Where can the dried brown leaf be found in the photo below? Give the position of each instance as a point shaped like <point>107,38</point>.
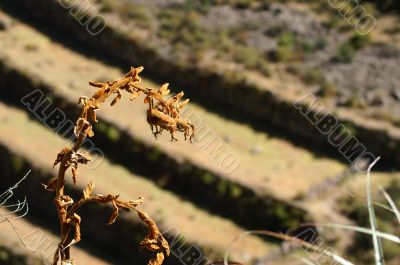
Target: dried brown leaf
<point>182,104</point>
<point>117,98</point>
<point>88,191</point>
<point>104,199</point>
<point>60,155</point>
<point>175,98</point>
<point>64,201</point>
<point>136,202</point>
<point>82,158</point>
<point>97,84</point>
<point>154,240</point>
<point>134,73</point>
<point>164,89</point>
<point>79,126</point>
<point>51,185</point>
<point>114,215</point>
<point>75,220</point>
<point>157,260</point>
<point>82,100</point>
<point>75,160</point>
<point>90,132</point>
<point>134,95</point>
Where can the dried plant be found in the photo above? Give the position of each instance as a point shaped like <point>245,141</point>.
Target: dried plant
<point>163,114</point>
<point>14,210</point>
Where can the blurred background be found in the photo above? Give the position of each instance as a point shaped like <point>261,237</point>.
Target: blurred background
<point>258,162</point>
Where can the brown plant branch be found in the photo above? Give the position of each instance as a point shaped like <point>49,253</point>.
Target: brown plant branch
<point>161,115</point>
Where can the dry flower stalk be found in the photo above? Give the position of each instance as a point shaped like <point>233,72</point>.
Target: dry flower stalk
<point>163,114</point>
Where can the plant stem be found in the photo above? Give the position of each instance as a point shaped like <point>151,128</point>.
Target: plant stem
<point>61,211</point>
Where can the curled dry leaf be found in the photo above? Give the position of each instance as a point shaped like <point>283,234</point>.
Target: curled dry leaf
<point>164,89</point>
<point>84,128</point>
<point>97,84</point>
<point>64,201</point>
<point>75,160</point>
<point>117,98</point>
<point>88,190</point>
<point>157,260</point>
<point>75,221</point>
<point>134,73</point>
<point>117,204</point>
<point>114,215</point>
<point>136,203</point>
<point>165,114</point>
<point>154,240</point>
<point>61,155</point>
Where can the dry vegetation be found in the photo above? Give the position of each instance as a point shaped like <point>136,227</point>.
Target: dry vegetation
<point>264,41</point>
<point>185,28</point>
<point>163,115</point>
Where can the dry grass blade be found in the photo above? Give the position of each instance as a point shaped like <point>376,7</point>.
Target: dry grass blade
<point>222,263</point>
<point>284,237</point>
<point>306,261</point>
<point>378,204</point>
<point>393,206</point>
<point>378,250</point>
<point>367,231</point>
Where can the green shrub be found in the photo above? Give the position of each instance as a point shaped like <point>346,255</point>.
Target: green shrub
<point>359,41</point>
<point>312,46</point>
<point>275,30</point>
<point>264,69</point>
<point>222,186</point>
<point>347,50</point>
<point>235,190</point>
<point>243,4</point>
<point>113,134</point>
<point>137,13</point>
<point>208,178</point>
<point>345,53</point>
<point>333,21</point>
<point>313,76</point>
<point>281,54</point>
<point>252,25</point>
<point>108,6</point>
<point>289,49</point>
<point>293,69</point>
<point>202,6</point>
<point>328,89</point>
<point>247,56</point>
<point>287,39</point>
